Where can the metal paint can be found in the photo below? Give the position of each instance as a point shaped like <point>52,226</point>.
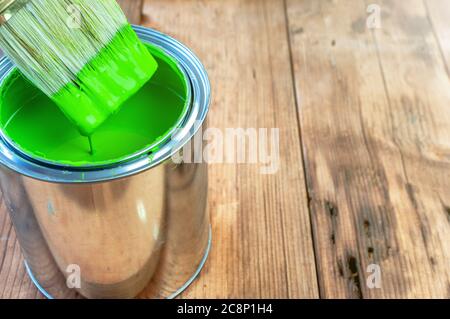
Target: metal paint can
<point>138,228</point>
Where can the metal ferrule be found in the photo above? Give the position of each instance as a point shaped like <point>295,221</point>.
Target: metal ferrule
<point>10,7</point>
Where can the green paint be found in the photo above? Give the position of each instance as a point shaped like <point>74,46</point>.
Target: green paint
<point>37,126</point>
<point>117,72</point>
<point>91,146</point>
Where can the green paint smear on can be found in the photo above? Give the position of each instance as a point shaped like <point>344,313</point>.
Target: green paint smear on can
<point>36,126</point>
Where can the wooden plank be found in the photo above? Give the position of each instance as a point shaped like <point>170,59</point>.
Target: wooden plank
<point>439,14</point>
<point>375,127</point>
<point>14,281</point>
<point>419,92</point>
<point>261,230</point>
<point>132,9</point>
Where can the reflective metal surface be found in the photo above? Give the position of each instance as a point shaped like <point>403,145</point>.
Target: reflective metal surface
<point>138,228</point>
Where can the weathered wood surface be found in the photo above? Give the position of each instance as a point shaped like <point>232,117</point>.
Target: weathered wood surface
<point>365,147</point>
<point>375,121</point>
<point>133,9</point>
<point>262,243</point>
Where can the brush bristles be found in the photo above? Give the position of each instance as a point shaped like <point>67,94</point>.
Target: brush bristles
<point>48,48</point>
<point>88,69</point>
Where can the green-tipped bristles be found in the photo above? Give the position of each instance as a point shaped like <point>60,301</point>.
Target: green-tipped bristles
<point>119,70</point>
<point>81,53</point>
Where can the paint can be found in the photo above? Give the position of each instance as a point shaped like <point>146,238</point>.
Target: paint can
<point>136,228</point>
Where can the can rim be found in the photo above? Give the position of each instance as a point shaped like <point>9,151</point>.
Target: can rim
<point>145,159</point>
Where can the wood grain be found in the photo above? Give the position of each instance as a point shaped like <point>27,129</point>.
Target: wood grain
<point>375,127</point>
<point>14,281</point>
<point>438,14</point>
<point>261,230</point>
<point>132,9</point>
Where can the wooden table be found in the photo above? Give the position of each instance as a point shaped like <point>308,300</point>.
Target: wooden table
<point>363,108</point>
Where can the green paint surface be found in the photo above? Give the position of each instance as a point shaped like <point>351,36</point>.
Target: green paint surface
<point>35,124</point>
<point>117,72</point>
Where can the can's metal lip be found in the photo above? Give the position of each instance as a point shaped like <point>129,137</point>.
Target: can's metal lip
<point>201,95</point>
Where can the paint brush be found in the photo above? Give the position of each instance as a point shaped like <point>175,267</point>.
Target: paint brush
<point>83,54</point>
